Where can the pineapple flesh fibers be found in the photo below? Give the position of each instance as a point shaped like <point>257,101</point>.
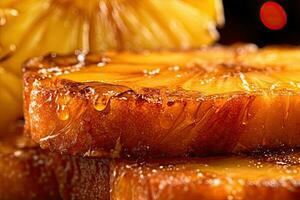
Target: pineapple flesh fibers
<point>35,27</point>
<point>170,103</point>
<point>10,99</point>
<point>10,96</point>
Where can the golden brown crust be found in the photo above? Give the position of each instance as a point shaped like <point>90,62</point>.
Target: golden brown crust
<point>172,119</point>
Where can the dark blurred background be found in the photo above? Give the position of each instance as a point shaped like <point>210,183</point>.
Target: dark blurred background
<point>262,22</point>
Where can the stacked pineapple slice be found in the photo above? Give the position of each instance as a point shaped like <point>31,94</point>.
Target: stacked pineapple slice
<point>35,27</point>
<point>199,102</point>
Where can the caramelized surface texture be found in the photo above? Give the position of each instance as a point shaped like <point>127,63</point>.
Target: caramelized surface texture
<point>209,101</point>
<point>28,172</point>
<point>246,178</point>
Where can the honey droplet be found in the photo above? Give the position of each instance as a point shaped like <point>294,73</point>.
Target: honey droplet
<point>63,113</point>
<point>101,102</point>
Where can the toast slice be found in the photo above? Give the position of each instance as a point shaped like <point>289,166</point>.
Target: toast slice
<point>200,102</point>
<point>28,172</point>
<point>268,176</point>
<point>24,170</point>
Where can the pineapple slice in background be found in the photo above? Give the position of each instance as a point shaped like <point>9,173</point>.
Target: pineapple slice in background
<point>10,96</point>
<point>35,27</point>
<point>213,8</point>
<point>10,99</point>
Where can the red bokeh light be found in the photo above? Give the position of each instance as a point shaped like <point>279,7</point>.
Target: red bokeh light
<point>273,15</point>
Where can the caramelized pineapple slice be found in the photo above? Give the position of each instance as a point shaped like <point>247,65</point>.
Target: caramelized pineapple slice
<point>209,101</point>
<point>234,177</point>
<point>35,27</point>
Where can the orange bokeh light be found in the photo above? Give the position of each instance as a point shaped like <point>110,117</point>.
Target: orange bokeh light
<point>273,15</point>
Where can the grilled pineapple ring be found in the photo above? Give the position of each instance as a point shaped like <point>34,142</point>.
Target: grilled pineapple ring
<point>209,101</point>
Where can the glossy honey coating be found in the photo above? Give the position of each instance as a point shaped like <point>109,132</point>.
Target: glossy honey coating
<point>206,101</point>
<point>272,176</point>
